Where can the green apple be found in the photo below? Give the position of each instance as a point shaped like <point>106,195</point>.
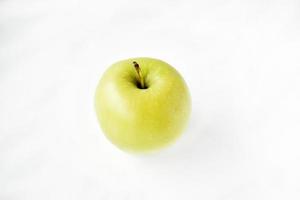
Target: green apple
<point>142,104</point>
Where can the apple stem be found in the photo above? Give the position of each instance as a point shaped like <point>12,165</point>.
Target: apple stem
<point>140,75</point>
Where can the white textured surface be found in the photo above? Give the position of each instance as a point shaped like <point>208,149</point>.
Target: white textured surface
<point>240,60</point>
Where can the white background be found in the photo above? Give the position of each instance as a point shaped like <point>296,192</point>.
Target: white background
<point>240,60</point>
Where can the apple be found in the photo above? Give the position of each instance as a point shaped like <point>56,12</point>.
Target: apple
<point>142,104</point>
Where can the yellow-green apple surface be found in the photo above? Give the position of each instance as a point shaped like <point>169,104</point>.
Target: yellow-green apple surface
<point>142,104</point>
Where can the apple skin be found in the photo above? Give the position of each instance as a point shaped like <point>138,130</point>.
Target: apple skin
<point>142,120</point>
